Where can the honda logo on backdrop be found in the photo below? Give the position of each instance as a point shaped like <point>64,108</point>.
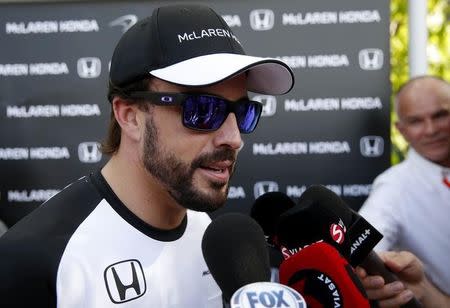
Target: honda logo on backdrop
<point>89,67</point>
<point>371,59</point>
<point>125,281</point>
<point>372,146</point>
<point>89,152</point>
<point>269,103</point>
<point>260,188</point>
<point>262,19</point>
<point>125,21</point>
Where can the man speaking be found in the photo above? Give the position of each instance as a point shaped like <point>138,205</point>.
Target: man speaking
<point>131,232</point>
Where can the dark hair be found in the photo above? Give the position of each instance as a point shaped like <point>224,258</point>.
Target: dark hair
<point>111,144</point>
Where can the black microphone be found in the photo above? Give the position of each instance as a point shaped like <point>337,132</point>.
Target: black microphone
<point>235,251</point>
<point>322,208</point>
<point>265,210</point>
<point>307,223</point>
<point>363,237</point>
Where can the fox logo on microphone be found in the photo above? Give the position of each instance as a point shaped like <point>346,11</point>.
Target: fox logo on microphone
<point>266,295</point>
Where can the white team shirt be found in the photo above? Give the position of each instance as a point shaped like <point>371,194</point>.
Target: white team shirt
<point>84,248</point>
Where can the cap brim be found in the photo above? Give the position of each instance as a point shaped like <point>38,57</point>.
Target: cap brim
<point>265,75</point>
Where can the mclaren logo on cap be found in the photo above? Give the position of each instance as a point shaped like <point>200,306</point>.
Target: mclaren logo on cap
<point>125,21</point>
<point>262,19</point>
<point>125,281</point>
<point>206,33</point>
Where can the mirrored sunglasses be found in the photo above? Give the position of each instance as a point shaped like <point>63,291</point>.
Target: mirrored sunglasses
<point>206,112</point>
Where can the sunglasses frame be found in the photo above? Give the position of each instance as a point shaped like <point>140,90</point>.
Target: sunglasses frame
<point>174,99</point>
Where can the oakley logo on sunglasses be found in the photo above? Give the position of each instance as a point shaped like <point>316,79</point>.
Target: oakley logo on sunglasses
<point>166,99</point>
<point>269,103</point>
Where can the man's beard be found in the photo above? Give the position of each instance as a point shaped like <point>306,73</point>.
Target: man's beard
<point>177,176</point>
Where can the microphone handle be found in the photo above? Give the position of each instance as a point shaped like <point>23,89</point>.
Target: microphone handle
<point>375,266</point>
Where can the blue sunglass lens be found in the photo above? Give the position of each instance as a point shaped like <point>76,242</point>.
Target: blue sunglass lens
<point>204,112</point>
<point>247,115</point>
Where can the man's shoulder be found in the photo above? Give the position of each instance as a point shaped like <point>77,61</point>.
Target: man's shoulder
<point>387,188</point>
<point>394,174</point>
<point>57,217</point>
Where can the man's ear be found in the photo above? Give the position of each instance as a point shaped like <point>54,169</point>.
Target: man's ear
<point>126,115</point>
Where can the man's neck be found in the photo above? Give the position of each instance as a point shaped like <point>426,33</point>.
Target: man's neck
<point>141,193</point>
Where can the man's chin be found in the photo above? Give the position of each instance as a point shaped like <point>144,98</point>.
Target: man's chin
<point>438,156</point>
<point>203,200</point>
<point>205,206</point>
<point>216,198</point>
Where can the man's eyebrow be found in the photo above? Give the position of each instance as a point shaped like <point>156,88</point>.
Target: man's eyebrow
<point>440,112</point>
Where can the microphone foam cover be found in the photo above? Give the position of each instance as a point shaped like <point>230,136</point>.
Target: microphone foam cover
<point>309,222</point>
<point>268,207</point>
<point>235,251</point>
<point>329,201</point>
<point>362,236</point>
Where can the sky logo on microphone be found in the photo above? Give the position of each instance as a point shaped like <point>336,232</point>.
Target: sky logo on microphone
<point>337,232</point>
<point>266,295</point>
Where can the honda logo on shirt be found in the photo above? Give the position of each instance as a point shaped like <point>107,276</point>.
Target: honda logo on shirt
<point>89,152</point>
<point>372,146</point>
<point>260,188</point>
<point>371,59</point>
<point>125,281</point>
<point>125,21</point>
<point>89,67</point>
<point>269,103</point>
<point>262,20</point>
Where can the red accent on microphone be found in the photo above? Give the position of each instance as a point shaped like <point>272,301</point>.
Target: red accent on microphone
<point>323,277</point>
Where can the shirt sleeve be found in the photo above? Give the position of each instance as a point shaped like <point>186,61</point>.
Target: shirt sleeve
<point>24,282</point>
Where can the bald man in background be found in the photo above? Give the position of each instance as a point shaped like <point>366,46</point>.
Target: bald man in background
<point>410,202</point>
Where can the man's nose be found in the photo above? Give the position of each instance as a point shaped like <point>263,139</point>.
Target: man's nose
<point>430,126</point>
<point>228,134</point>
